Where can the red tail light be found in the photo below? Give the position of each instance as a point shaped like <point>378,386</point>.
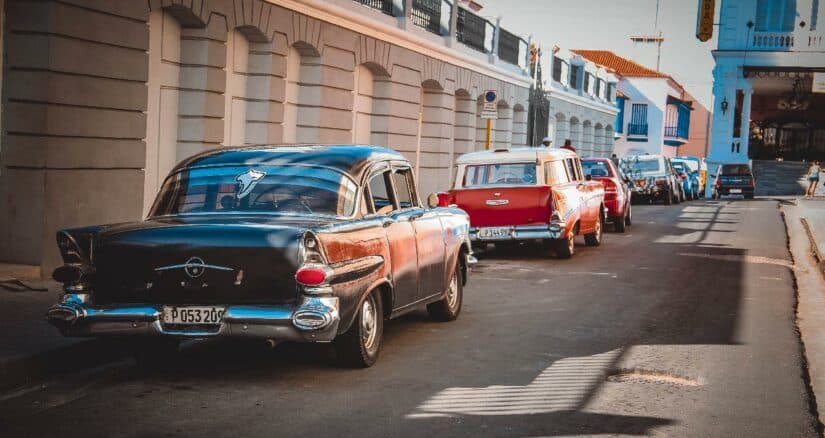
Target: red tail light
<point>753,182</point>
<point>661,182</point>
<point>312,275</point>
<point>684,176</point>
<point>609,189</point>
<point>445,199</point>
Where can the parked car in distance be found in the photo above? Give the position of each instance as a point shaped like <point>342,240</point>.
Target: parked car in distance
<point>653,178</point>
<point>690,180</point>
<point>616,192</point>
<point>733,179</point>
<point>697,165</point>
<point>310,244</point>
<point>528,194</point>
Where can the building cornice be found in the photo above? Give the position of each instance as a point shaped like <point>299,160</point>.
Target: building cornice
<point>581,101</point>
<point>361,23</point>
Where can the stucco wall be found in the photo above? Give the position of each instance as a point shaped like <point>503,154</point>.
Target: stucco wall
<point>102,97</point>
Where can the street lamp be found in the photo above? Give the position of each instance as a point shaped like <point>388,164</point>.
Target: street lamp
<point>724,105</point>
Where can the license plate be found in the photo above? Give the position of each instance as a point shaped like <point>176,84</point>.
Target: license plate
<point>193,315</point>
<point>494,233</point>
<point>736,190</point>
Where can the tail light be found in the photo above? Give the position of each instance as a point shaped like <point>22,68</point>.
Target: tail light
<point>718,182</point>
<point>661,182</point>
<point>312,275</point>
<point>445,199</point>
<point>609,189</point>
<point>753,182</point>
<point>683,176</point>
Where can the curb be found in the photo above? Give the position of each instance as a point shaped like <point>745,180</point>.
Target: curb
<point>814,246</point>
<point>20,371</point>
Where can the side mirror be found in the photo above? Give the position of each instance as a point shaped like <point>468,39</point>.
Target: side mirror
<point>432,200</point>
<point>588,177</point>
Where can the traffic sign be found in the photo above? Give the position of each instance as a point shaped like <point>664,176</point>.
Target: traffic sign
<point>704,19</point>
<point>490,108</point>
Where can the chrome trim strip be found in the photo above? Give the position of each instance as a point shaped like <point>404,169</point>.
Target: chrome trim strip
<point>193,265</point>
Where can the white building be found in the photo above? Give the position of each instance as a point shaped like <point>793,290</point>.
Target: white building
<point>654,110</point>
<point>582,104</point>
<point>770,52</point>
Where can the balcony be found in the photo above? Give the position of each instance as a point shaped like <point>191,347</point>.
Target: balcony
<point>638,130</point>
<point>787,41</point>
<point>677,121</point>
<point>471,30</point>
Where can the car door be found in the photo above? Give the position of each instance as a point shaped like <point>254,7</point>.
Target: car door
<point>567,197</point>
<point>429,235</point>
<point>382,203</point>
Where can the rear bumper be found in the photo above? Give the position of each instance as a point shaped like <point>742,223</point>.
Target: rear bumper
<point>742,190</point>
<point>553,230</point>
<point>315,319</point>
<point>652,191</point>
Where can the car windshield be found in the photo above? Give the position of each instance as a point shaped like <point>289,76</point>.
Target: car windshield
<point>690,164</point>
<point>596,168</point>
<point>736,169</point>
<point>264,189</point>
<point>642,165</point>
<point>680,167</point>
<point>522,174</point>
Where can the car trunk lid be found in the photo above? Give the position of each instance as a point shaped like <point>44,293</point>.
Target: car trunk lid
<point>502,206</point>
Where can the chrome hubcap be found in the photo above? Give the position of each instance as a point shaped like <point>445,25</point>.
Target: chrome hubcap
<point>452,293</point>
<point>369,326</point>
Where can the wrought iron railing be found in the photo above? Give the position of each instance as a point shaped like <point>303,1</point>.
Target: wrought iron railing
<point>428,15</point>
<point>385,6</point>
<point>508,47</point>
<point>637,129</point>
<point>471,30</point>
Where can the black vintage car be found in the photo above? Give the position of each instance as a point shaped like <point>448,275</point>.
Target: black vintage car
<point>299,243</point>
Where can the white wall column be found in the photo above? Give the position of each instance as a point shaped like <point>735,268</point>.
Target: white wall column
<point>745,126</point>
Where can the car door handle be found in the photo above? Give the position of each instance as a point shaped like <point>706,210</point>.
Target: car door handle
<point>387,222</point>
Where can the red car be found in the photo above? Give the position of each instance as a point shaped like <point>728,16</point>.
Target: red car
<point>528,194</point>
<point>616,191</point>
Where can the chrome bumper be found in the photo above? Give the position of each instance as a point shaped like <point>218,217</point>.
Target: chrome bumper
<point>315,319</point>
<point>554,230</point>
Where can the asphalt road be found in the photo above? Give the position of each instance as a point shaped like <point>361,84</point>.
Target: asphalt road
<point>683,326</point>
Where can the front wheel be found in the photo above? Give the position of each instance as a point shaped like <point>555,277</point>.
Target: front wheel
<point>360,345</point>
<point>448,308</point>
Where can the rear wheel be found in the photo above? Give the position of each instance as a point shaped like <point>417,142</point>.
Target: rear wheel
<point>595,238</point>
<point>628,220</point>
<point>620,223</point>
<point>360,345</point>
<point>448,308</point>
<point>565,248</point>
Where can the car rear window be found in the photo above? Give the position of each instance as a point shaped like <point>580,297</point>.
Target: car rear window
<point>642,165</point>
<point>596,168</point>
<point>303,190</point>
<point>736,169</point>
<point>521,174</point>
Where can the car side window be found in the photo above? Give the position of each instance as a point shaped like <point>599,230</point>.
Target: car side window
<point>555,172</point>
<point>402,181</point>
<point>571,169</point>
<point>579,170</point>
<point>380,194</point>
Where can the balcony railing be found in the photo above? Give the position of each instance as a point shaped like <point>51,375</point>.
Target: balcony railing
<point>787,41</point>
<point>474,31</point>
<point>471,30</point>
<point>433,15</point>
<point>385,6</point>
<point>637,129</point>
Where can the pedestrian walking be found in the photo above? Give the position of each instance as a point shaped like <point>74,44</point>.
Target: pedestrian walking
<point>546,142</point>
<point>568,145</point>
<point>615,160</point>
<point>813,178</point>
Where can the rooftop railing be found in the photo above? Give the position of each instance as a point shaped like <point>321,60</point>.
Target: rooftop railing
<point>470,30</point>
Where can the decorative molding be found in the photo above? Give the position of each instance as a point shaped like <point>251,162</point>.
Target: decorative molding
<point>306,30</point>
<point>371,50</point>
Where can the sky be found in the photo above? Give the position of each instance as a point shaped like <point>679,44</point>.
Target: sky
<point>608,25</point>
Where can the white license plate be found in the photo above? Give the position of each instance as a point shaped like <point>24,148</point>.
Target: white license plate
<point>494,233</point>
<point>193,314</point>
<point>736,190</point>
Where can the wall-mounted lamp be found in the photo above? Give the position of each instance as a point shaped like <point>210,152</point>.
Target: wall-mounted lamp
<point>724,106</point>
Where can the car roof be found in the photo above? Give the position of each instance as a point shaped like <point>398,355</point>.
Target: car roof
<point>349,159</point>
<point>514,154</point>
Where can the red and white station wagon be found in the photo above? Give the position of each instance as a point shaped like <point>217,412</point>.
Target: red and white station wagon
<point>528,194</point>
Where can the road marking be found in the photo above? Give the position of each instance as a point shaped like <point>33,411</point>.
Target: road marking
<point>741,258</point>
<point>561,387</point>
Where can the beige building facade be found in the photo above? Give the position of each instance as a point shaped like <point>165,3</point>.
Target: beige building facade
<point>101,98</point>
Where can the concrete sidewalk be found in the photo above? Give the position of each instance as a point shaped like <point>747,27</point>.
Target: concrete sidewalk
<point>30,348</point>
<point>805,221</point>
